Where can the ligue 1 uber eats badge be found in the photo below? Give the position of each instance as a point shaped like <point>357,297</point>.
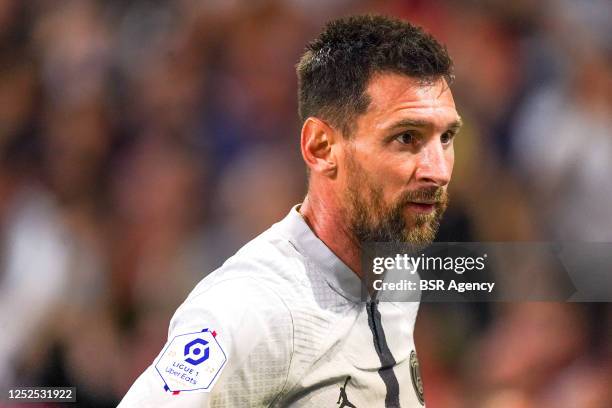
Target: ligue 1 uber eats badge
<point>415,373</point>
<point>191,362</point>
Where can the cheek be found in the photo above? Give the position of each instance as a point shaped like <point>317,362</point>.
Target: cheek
<point>450,159</point>
<point>399,171</point>
<point>394,177</point>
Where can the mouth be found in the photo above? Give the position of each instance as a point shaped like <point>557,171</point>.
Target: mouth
<point>423,207</point>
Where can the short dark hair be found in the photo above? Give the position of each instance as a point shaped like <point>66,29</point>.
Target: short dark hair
<point>334,71</point>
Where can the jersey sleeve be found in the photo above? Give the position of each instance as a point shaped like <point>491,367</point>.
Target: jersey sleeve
<point>228,345</point>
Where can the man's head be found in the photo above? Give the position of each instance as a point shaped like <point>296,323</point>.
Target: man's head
<point>379,121</point>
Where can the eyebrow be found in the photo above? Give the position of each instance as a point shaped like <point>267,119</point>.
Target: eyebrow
<point>405,123</point>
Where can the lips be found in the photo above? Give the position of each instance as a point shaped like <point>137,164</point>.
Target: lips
<point>422,207</point>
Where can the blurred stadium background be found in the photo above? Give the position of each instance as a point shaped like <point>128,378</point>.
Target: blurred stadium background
<point>142,142</point>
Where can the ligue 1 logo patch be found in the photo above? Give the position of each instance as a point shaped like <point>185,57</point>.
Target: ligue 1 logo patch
<point>191,362</point>
<point>415,373</point>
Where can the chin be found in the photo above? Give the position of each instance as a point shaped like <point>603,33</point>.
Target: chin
<point>421,235</point>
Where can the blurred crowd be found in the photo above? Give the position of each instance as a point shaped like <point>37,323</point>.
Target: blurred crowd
<point>142,142</point>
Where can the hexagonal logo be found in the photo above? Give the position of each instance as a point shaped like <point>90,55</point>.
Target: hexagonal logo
<point>191,362</point>
<point>194,348</point>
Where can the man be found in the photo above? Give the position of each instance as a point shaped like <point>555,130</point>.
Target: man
<point>282,323</point>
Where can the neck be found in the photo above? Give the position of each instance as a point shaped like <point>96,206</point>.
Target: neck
<point>329,223</point>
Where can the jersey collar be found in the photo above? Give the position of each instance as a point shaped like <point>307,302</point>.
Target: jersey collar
<point>337,274</point>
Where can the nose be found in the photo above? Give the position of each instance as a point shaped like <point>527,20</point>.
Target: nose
<point>434,164</point>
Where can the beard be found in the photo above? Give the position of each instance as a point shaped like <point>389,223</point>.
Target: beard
<point>371,219</point>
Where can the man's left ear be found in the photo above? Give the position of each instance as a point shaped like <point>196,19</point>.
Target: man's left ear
<point>318,145</point>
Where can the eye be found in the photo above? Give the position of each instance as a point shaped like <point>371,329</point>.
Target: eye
<point>406,138</point>
<point>446,137</point>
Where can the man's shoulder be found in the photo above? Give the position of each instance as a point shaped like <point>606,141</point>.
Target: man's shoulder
<point>268,261</point>
<point>245,296</point>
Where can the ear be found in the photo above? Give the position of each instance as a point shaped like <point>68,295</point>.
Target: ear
<point>319,143</point>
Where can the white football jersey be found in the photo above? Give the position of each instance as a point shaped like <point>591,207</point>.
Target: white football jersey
<point>282,324</point>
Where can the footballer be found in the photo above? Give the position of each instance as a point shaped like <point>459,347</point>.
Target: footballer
<point>283,323</point>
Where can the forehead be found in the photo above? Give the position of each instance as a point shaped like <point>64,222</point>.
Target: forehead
<point>394,97</point>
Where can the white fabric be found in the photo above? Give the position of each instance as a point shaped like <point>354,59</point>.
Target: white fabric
<point>288,314</point>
